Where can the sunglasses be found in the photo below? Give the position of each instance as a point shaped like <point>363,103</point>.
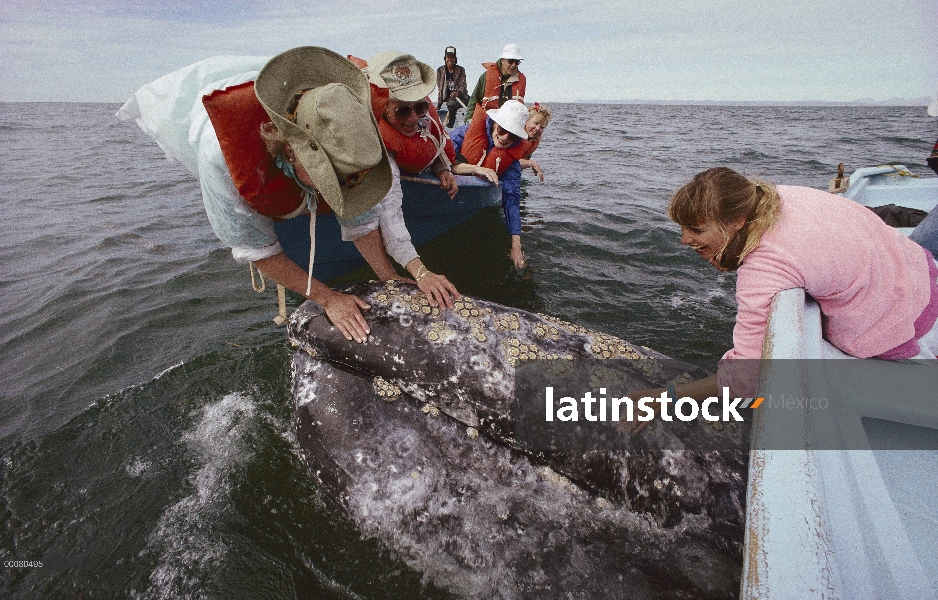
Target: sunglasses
<point>421,108</point>
<point>513,61</point>
<point>502,131</point>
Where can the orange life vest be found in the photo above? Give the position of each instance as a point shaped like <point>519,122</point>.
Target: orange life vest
<point>416,153</point>
<point>493,85</point>
<point>475,147</point>
<point>412,154</point>
<point>236,116</point>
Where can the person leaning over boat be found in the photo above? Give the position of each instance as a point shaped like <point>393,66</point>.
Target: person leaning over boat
<point>327,146</point>
<point>497,140</point>
<point>451,83</point>
<point>538,118</point>
<point>502,81</point>
<point>877,290</point>
<point>410,127</point>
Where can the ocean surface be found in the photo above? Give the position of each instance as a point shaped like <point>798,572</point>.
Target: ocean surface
<point>147,446</point>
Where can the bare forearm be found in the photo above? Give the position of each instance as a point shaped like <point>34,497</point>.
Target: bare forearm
<point>467,169</point>
<point>698,390</point>
<point>289,274</point>
<point>371,247</point>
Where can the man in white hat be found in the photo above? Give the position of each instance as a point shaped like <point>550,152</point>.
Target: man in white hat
<point>502,81</point>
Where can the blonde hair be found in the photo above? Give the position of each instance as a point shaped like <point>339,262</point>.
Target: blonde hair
<point>273,139</point>
<point>723,196</point>
<point>541,111</point>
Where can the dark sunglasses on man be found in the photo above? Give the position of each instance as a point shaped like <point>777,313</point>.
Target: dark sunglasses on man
<point>403,111</point>
<point>513,61</point>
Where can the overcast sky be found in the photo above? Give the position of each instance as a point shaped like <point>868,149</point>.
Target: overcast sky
<point>750,50</point>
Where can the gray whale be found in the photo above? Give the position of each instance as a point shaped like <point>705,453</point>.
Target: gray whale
<point>412,436</point>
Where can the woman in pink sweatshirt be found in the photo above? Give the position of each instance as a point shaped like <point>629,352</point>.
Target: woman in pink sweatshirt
<point>876,289</point>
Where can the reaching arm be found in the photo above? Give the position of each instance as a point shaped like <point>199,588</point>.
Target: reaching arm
<point>511,198</point>
<point>699,390</point>
<point>527,163</point>
<point>467,169</point>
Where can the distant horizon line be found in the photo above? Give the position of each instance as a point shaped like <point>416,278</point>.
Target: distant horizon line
<point>922,102</point>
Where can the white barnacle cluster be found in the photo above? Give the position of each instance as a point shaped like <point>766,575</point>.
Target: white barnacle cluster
<point>386,390</point>
<point>568,327</point>
<point>420,304</point>
<point>601,376</point>
<point>475,316</point>
<point>509,322</point>
<point>516,351</point>
<point>559,369</point>
<point>389,294</point>
<point>543,330</point>
<point>682,378</point>
<point>555,478</point>
<point>440,332</point>
<point>607,346</point>
<point>429,409</point>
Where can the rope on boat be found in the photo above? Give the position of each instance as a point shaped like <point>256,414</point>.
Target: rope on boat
<point>257,287</point>
<point>259,284</point>
<point>281,317</point>
<point>899,172</point>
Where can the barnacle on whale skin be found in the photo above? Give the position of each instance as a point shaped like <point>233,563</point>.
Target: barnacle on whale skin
<point>386,390</point>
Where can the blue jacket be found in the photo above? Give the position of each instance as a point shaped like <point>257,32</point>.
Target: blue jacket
<point>510,179</point>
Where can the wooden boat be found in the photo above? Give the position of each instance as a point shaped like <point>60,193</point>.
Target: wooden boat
<point>428,212</point>
<point>835,523</point>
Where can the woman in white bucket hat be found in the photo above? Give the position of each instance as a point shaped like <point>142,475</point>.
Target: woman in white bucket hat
<point>497,141</point>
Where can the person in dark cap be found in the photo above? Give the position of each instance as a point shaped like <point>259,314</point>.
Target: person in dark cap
<point>451,83</point>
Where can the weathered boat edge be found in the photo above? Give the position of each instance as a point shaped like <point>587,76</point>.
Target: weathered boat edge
<point>428,213</point>
<point>810,530</point>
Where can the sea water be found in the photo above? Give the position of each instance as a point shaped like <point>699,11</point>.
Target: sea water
<point>147,447</point>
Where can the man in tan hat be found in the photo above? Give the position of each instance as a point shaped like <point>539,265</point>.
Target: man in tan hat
<point>320,104</point>
<point>502,81</point>
<point>325,145</point>
<point>412,132</point>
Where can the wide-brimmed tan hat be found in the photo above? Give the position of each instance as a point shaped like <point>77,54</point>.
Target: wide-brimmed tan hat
<point>406,78</point>
<point>335,135</point>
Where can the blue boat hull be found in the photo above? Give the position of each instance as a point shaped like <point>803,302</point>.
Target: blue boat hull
<point>428,212</point>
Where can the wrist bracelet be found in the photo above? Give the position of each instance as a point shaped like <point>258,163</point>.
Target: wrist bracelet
<point>671,392</point>
<point>418,275</point>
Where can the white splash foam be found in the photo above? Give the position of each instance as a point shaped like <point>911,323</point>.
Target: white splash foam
<point>167,370</point>
<point>138,467</point>
<point>186,538</point>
